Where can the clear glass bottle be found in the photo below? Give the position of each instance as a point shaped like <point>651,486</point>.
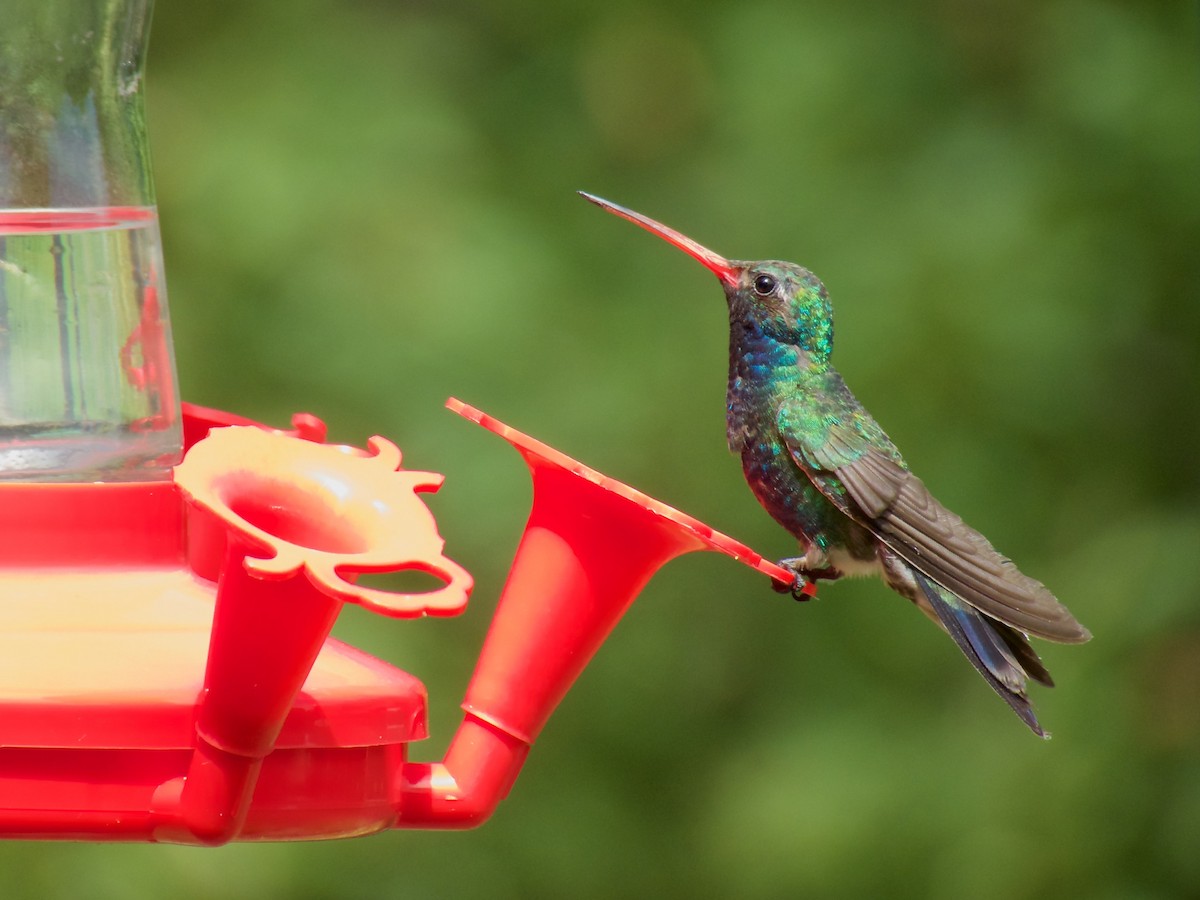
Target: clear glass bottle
<point>87,367</point>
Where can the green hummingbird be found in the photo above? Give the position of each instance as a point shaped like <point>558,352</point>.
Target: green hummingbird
<point>823,468</point>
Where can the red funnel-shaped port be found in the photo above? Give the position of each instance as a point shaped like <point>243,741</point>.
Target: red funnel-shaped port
<point>589,548</point>
<point>591,545</point>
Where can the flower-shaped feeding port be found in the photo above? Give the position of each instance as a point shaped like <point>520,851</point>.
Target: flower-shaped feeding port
<point>327,511</point>
<point>284,525</point>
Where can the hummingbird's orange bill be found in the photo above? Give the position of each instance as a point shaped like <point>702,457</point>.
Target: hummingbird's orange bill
<point>714,262</point>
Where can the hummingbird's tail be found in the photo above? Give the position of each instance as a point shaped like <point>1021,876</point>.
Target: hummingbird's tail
<point>1001,654</point>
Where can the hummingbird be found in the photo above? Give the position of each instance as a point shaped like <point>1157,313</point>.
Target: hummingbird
<point>825,470</point>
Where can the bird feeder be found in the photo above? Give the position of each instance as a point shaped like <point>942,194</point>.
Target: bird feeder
<point>170,574</point>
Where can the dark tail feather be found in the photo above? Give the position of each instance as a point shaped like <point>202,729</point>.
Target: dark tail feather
<point>1025,657</point>
<point>1000,654</point>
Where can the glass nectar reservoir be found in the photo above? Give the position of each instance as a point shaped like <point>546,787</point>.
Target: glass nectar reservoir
<point>87,372</point>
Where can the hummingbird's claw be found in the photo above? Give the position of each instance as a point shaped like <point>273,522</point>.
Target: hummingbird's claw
<point>804,589</point>
<point>803,585</point>
<point>799,587</point>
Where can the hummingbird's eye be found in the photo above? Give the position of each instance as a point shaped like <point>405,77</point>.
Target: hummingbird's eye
<point>764,285</point>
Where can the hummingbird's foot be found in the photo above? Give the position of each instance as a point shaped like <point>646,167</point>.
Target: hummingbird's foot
<point>804,585</point>
<point>800,588</point>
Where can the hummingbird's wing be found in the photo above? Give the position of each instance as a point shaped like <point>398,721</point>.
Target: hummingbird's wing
<point>854,464</point>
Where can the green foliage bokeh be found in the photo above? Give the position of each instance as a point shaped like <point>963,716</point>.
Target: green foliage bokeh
<point>368,207</point>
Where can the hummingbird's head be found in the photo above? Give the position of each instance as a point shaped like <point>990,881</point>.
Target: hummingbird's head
<point>785,303</point>
<point>779,301</point>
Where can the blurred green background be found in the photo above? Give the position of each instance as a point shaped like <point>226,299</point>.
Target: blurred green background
<point>368,207</point>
